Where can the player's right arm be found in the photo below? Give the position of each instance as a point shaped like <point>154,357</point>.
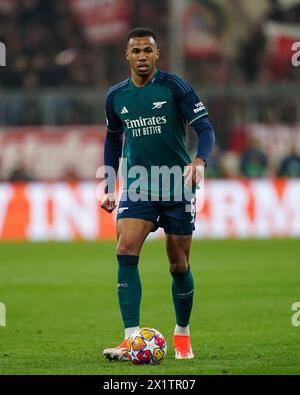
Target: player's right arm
<point>112,153</point>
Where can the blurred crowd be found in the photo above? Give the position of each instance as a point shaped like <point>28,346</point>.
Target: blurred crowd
<point>253,162</point>
<point>47,49</point>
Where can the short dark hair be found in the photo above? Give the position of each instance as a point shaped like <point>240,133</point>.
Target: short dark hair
<point>141,32</point>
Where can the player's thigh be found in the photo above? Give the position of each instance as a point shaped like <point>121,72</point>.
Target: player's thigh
<point>177,218</point>
<point>131,234</point>
<point>178,251</point>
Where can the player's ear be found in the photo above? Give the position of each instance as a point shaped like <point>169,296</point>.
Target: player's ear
<point>127,54</point>
<point>157,53</point>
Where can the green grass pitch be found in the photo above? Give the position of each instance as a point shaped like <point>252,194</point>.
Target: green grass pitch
<point>61,307</point>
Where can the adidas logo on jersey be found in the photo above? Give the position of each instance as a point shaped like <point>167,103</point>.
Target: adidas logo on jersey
<point>124,110</point>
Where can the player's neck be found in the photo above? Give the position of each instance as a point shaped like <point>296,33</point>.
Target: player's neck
<point>141,81</point>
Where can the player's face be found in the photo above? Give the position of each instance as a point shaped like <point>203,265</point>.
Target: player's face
<point>142,54</point>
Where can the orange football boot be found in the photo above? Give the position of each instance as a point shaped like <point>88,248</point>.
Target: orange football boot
<point>182,346</point>
<point>118,353</point>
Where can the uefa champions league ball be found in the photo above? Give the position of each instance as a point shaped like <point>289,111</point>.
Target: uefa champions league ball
<point>146,346</point>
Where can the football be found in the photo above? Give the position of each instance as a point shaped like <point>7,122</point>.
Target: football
<point>146,346</point>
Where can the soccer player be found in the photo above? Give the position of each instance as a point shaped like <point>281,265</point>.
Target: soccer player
<point>151,109</point>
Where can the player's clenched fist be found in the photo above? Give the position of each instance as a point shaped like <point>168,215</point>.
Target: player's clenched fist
<point>109,202</point>
<point>193,173</point>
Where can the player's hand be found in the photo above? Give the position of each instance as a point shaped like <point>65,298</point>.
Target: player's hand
<point>193,173</point>
<point>109,202</point>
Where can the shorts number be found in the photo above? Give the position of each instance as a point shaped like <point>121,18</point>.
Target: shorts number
<point>193,210</point>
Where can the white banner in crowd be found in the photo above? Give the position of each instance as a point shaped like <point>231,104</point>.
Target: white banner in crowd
<point>51,152</point>
<point>104,21</point>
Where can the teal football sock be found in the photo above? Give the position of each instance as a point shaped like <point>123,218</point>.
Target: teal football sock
<point>129,289</point>
<point>183,293</point>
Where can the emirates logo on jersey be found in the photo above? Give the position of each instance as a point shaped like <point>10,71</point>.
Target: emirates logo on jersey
<point>145,126</point>
<point>141,122</point>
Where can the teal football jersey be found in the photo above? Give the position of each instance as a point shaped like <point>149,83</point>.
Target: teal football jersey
<point>153,119</point>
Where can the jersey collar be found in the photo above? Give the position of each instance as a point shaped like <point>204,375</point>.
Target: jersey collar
<point>148,83</point>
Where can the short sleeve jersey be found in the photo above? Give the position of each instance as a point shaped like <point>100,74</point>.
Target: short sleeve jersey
<point>153,119</point>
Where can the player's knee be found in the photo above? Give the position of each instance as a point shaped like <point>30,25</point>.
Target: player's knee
<point>127,247</point>
<point>179,267</point>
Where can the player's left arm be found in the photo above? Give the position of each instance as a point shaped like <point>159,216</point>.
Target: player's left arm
<point>206,140</point>
<point>196,115</point>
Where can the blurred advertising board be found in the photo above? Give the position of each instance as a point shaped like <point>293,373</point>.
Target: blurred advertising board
<point>235,208</point>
